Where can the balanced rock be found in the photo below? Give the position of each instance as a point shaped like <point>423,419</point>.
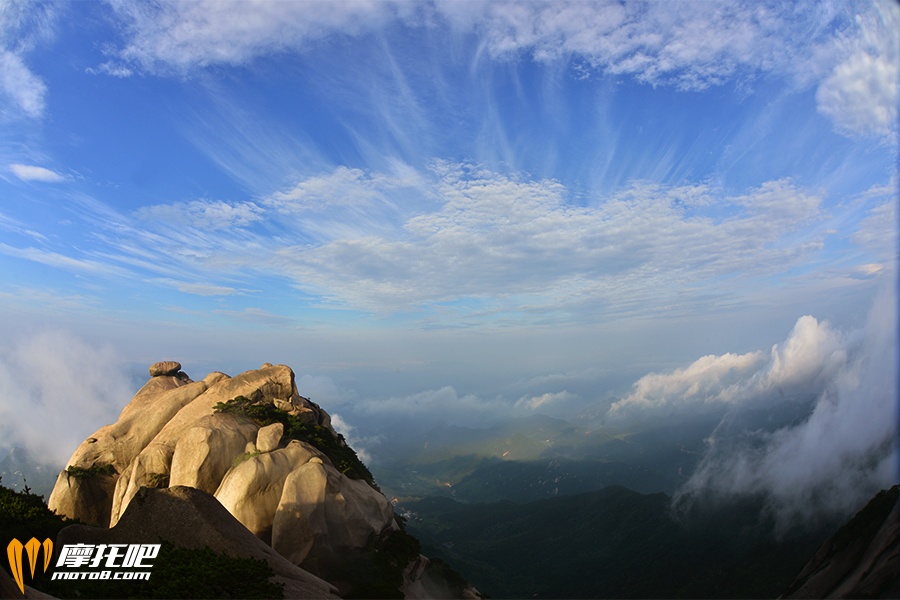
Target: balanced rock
<point>166,367</point>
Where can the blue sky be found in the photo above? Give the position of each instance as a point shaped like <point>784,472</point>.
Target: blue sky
<point>414,203</point>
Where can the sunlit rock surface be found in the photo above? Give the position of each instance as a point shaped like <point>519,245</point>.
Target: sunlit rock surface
<point>176,452</point>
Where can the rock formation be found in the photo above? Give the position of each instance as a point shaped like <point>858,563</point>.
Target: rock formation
<point>165,514</point>
<point>248,446</point>
<point>861,560</point>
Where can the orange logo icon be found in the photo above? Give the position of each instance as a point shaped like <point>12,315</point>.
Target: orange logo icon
<point>32,548</point>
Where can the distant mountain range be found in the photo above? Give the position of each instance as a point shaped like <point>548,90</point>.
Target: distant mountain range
<point>544,507</point>
<point>19,469</point>
<point>539,457</point>
<point>617,543</point>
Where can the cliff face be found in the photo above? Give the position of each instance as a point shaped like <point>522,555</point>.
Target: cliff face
<point>259,449</point>
<point>861,560</point>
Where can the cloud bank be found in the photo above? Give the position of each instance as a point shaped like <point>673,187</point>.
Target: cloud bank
<point>55,390</point>
<point>835,458</point>
<point>810,358</point>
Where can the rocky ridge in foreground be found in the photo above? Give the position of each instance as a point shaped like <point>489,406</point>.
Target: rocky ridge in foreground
<point>861,560</point>
<point>270,457</point>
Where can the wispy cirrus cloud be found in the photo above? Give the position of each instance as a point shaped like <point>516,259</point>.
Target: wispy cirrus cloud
<point>848,51</point>
<point>22,27</point>
<point>198,289</point>
<point>64,261</point>
<point>259,316</point>
<point>22,89</point>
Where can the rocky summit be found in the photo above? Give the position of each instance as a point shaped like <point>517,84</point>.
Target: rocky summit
<point>245,453</point>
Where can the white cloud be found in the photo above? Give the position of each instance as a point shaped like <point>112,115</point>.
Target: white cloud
<point>182,36</point>
<point>347,202</point>
<point>710,380</point>
<point>342,187</point>
<point>467,243</point>
<point>877,232</point>
<point>521,244</point>
<point>812,349</point>
<point>23,27</point>
<point>55,390</point>
<point>839,456</point>
<point>202,214</point>
<point>541,402</point>
<point>848,50</point>
<point>860,93</point>
<point>198,289</point>
<point>805,363</point>
<point>360,444</point>
<point>25,90</point>
<point>685,44</point>
<point>841,451</point>
<point>33,173</point>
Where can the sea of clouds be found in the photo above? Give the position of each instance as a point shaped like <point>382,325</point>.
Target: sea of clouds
<point>838,449</point>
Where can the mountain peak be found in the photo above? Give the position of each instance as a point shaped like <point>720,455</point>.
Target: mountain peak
<point>250,444</point>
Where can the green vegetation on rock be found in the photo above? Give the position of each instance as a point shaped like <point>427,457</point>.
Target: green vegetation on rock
<point>158,480</point>
<point>82,472</point>
<point>377,570</point>
<point>265,413</point>
<point>244,457</point>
